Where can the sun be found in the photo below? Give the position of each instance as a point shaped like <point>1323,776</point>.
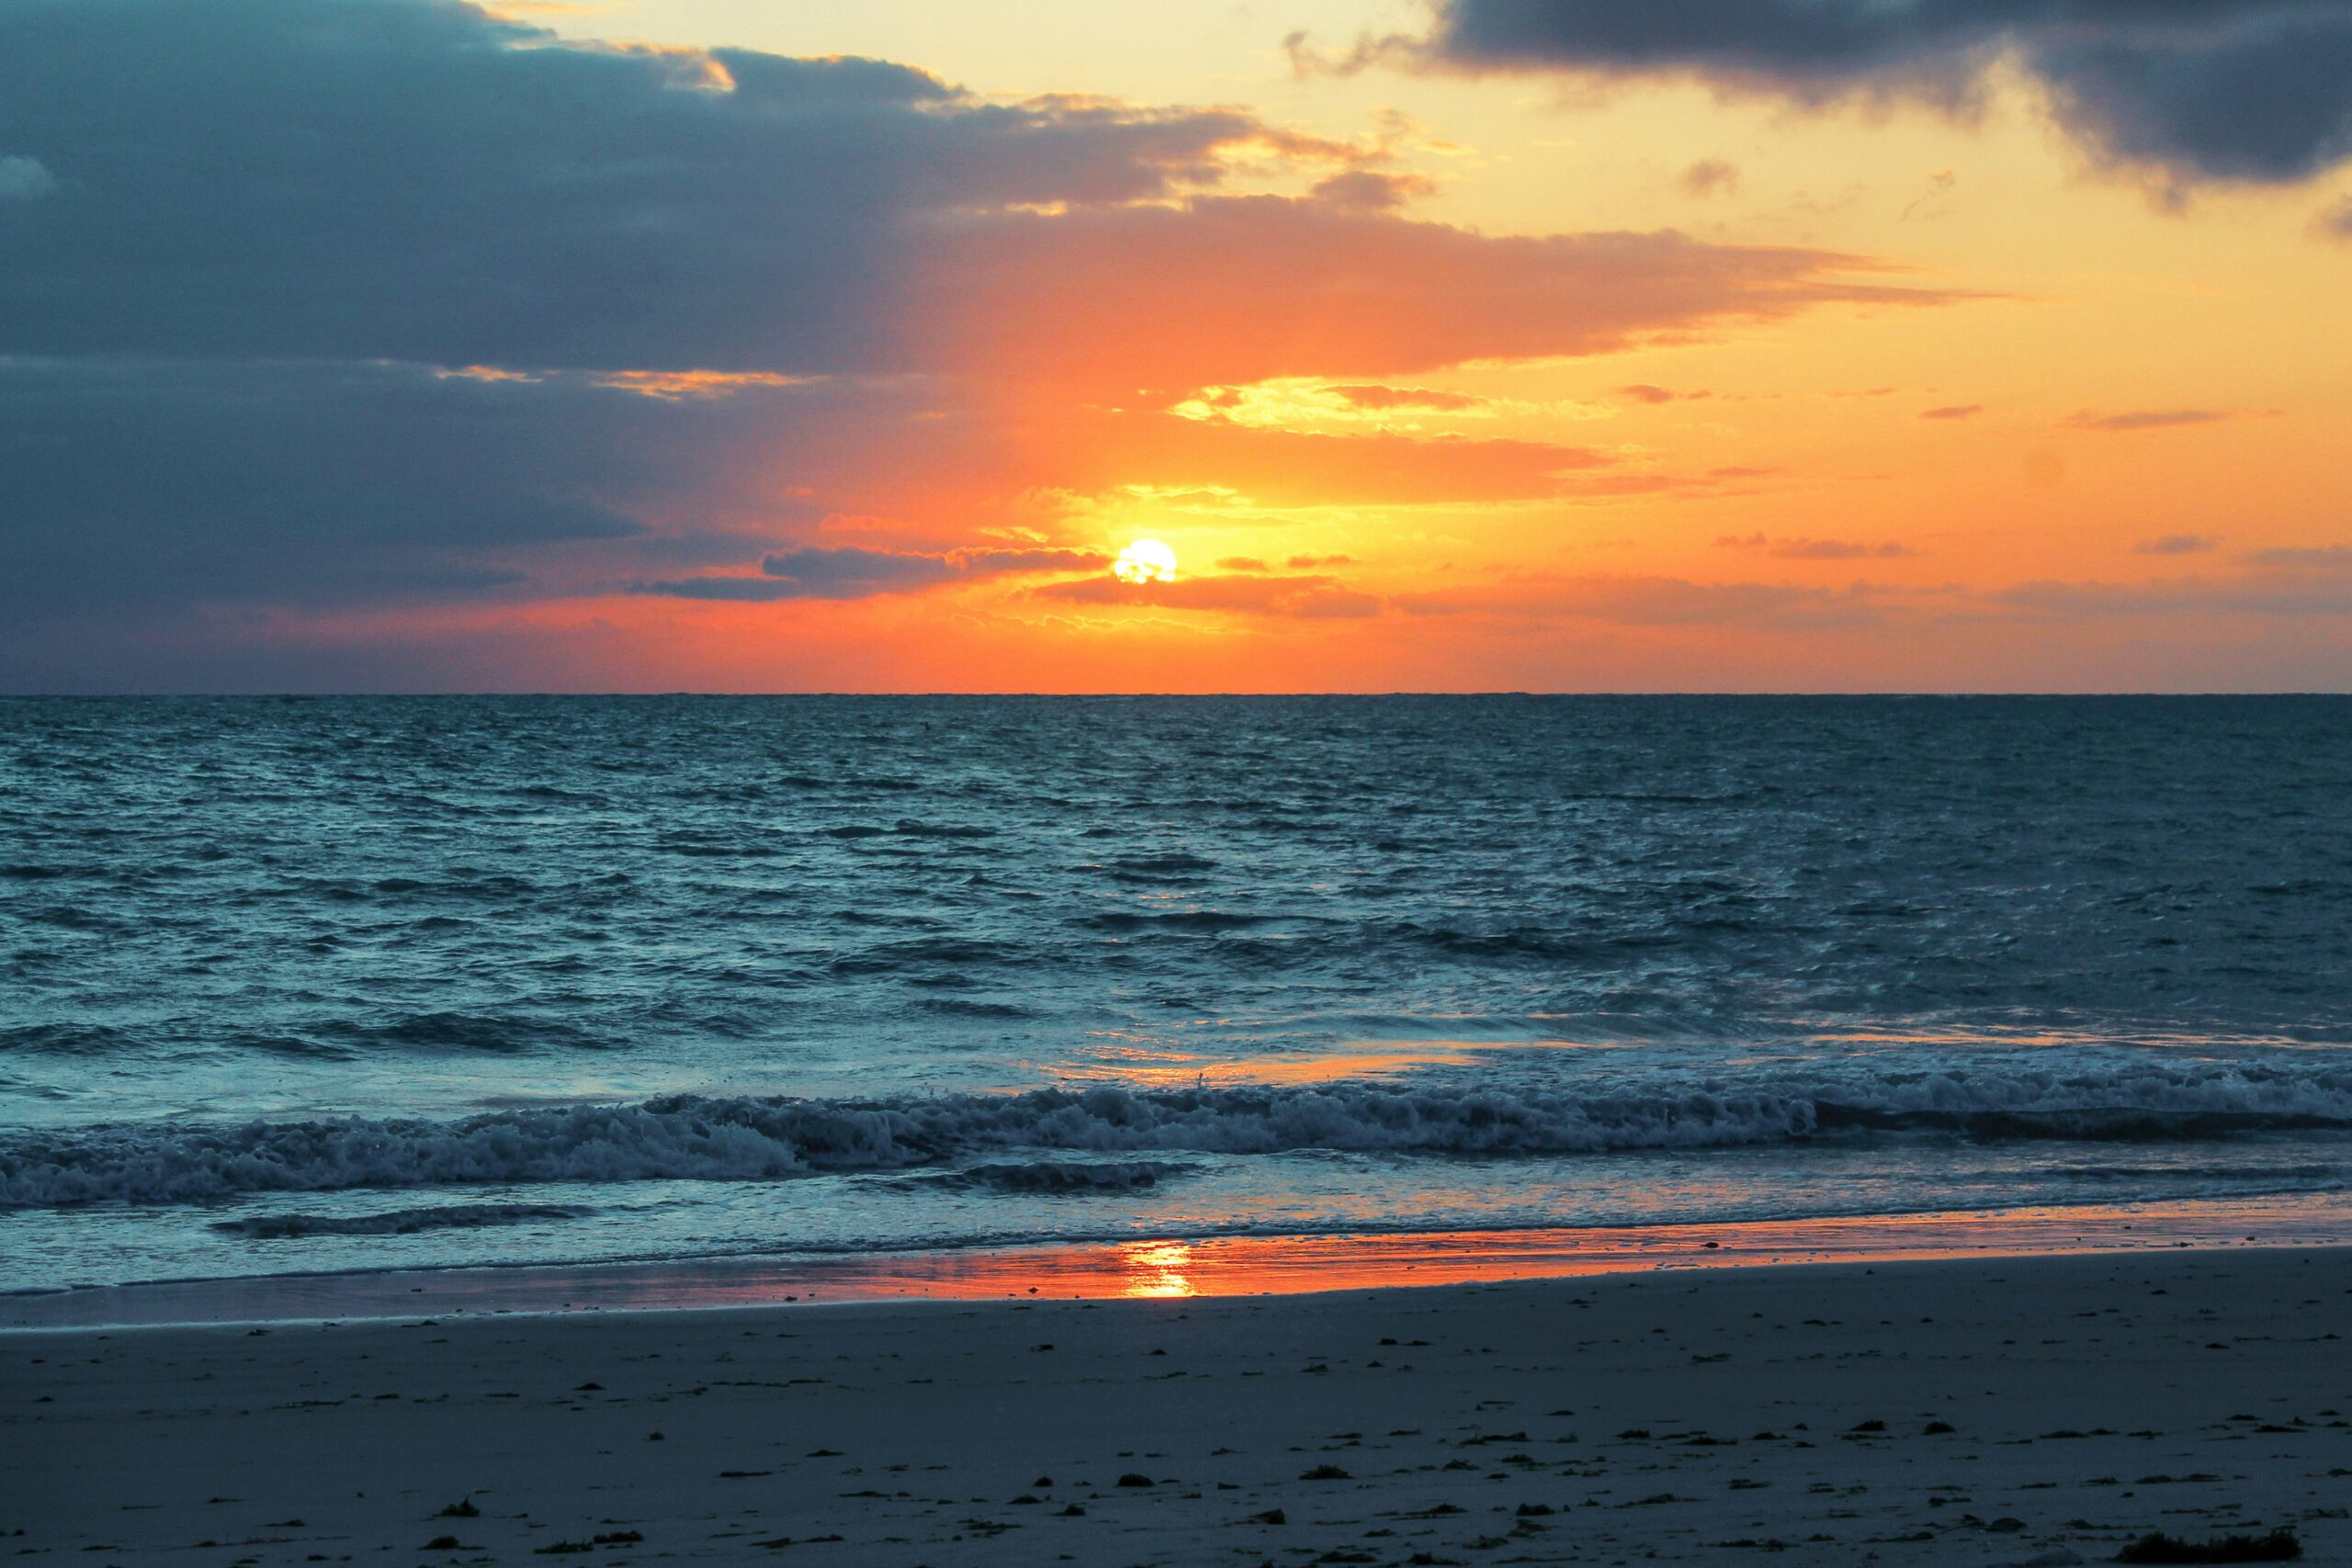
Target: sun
<point>1145,560</point>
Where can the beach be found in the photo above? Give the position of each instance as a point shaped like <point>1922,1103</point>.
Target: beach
<point>1989,1410</point>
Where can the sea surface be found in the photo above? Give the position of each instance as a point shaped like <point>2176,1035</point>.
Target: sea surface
<point>359,984</point>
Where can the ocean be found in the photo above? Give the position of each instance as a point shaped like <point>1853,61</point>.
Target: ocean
<point>321,984</point>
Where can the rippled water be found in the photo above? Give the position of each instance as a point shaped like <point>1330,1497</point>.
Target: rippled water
<point>343,983</point>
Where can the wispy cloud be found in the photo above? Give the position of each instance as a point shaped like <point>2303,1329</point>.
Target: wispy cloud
<point>2143,419</point>
<point>1309,597</point>
<point>1803,549</point>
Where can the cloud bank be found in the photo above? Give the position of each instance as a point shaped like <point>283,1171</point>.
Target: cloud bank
<point>365,309</point>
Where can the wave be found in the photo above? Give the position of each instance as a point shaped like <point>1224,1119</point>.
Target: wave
<point>749,1139</point>
<point>66,1040</point>
<point>1058,1176</point>
<point>397,1221</point>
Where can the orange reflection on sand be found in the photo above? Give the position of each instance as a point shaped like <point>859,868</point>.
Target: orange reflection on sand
<point>1157,1269</point>
<point>1170,1269</point>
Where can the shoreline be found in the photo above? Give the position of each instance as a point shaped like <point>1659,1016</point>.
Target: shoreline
<point>2013,1411</point>
<point>1174,1267</point>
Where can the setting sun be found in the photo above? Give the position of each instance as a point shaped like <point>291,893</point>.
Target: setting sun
<point>1145,560</point>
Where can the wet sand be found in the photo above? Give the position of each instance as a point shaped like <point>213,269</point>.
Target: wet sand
<point>1700,1416</point>
<point>1224,1265</point>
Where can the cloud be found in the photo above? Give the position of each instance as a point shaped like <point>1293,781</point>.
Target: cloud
<point>1648,601</point>
<point>1281,467</point>
<point>1954,411</point>
<point>1310,563</point>
<point>1240,563</point>
<point>136,484</point>
<point>461,314</point>
<point>2247,90</point>
<point>1312,597</point>
<point>1216,289</point>
<point>2142,419</point>
<point>1643,393</point>
<point>468,190</point>
<point>851,571</point>
<point>1817,549</point>
<point>24,179</point>
<point>674,384</point>
<point>1383,398</point>
<point>2335,222</point>
<point>2177,545</point>
<point>2290,583</point>
<point>2321,558</point>
<point>1709,176</point>
<point>1371,190</point>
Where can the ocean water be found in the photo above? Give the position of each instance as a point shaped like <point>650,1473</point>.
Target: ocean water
<point>320,985</point>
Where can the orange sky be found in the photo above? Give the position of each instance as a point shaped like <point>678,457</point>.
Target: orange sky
<point>1443,381</point>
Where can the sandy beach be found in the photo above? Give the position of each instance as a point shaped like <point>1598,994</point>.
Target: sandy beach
<point>2026,1410</point>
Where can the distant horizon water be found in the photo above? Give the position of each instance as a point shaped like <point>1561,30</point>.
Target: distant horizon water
<point>318,983</point>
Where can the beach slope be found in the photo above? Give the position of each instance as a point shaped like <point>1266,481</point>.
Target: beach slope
<point>2018,1411</point>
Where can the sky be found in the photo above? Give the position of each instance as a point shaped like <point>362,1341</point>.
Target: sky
<point>1448,344</point>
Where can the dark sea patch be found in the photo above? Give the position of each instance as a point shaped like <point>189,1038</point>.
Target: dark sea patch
<point>68,1040</point>
<point>899,957</point>
<point>964,1007</point>
<point>397,1221</point>
<point>1075,1176</point>
<point>1177,920</point>
<point>450,1031</point>
<point>909,828</point>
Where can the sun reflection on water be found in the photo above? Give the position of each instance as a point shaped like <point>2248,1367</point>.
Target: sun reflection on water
<point>1157,1269</point>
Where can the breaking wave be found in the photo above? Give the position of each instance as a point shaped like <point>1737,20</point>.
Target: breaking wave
<point>749,1139</point>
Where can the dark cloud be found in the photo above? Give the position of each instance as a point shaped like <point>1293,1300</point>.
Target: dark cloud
<point>2335,222</point>
<point>851,571</point>
<point>405,179</point>
<point>1954,411</point>
<point>2177,545</point>
<point>132,483</point>
<point>2257,90</point>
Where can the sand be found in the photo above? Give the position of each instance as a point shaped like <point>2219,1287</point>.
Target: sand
<point>1688,1416</point>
